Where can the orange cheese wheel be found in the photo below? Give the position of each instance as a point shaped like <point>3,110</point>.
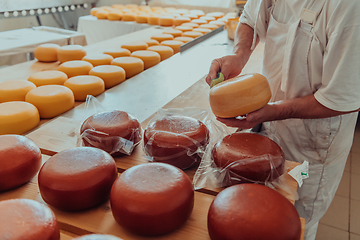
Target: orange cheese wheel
<point>98,59</point>
<point>191,16</point>
<point>153,20</point>
<point>174,32</point>
<point>97,237</point>
<point>199,13</point>
<point>73,187</point>
<point>209,26</point>
<point>215,14</point>
<point>15,90</point>
<point>118,52</point>
<point>151,42</point>
<point>202,30</point>
<point>48,78</point>
<point>135,46</point>
<point>199,21</point>
<point>111,75</point>
<point>75,68</point>
<point>51,100</point>
<point>207,18</point>
<point>190,24</point>
<point>129,16</point>
<point>174,44</point>
<point>70,52</point>
<point>118,6</point>
<point>166,21</point>
<point>192,34</point>
<point>184,39</point>
<point>46,52</point>
<point>184,28</point>
<point>93,11</point>
<point>142,18</point>
<point>18,117</point>
<point>150,58</point>
<point>217,23</point>
<point>162,37</point>
<point>101,14</point>
<point>114,16</point>
<point>164,51</point>
<point>27,219</point>
<point>84,85</point>
<point>131,65</point>
<point>152,199</point>
<point>180,20</point>
<point>240,95</point>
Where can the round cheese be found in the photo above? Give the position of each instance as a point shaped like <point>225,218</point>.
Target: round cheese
<point>150,58</point>
<point>93,11</point>
<point>191,16</point>
<point>215,14</point>
<point>18,117</point>
<point>153,19</point>
<point>164,51</point>
<point>27,219</point>
<point>118,6</point>
<point>46,52</point>
<point>199,13</point>
<point>202,30</point>
<point>190,24</point>
<point>51,100</point>
<point>111,75</point>
<point>97,237</point>
<point>192,34</point>
<point>217,23</point>
<point>162,37</point>
<point>114,16</point>
<point>151,42</point>
<point>174,32</point>
<point>70,52</point>
<point>184,28</point>
<point>174,44</point>
<point>135,46</point>
<point>209,26</point>
<point>129,16</point>
<point>180,20</point>
<point>77,178</point>
<point>75,68</point>
<point>142,18</point>
<point>207,18</point>
<point>166,21</point>
<point>199,21</point>
<point>118,52</point>
<point>48,77</point>
<point>152,199</point>
<point>15,90</point>
<point>101,14</point>
<point>131,65</point>
<point>252,211</point>
<point>20,160</point>
<point>184,39</point>
<point>84,85</point>
<point>98,59</point>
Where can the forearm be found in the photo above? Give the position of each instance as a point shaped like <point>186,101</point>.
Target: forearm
<point>243,41</point>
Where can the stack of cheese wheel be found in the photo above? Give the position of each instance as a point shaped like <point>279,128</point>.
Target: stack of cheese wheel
<point>70,52</point>
<point>120,52</point>
<point>46,52</point>
<point>77,178</point>
<point>84,85</point>
<point>150,58</point>
<point>20,160</point>
<point>152,199</point>
<point>131,65</point>
<point>98,59</point>
<point>164,51</point>
<point>15,90</point>
<point>110,74</point>
<point>50,77</point>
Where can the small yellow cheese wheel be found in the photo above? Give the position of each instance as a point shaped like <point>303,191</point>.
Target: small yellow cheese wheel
<point>184,28</point>
<point>51,100</point>
<point>70,52</point>
<point>180,20</point>
<point>15,90</point>
<point>142,18</point>
<point>84,85</point>
<point>93,11</point>
<point>207,18</point>
<point>135,46</point>
<point>200,13</point>
<point>217,23</point>
<point>150,58</point>
<point>192,34</point>
<point>75,68</point>
<point>202,30</point>
<point>215,14</point>
<point>199,21</point>
<point>101,14</point>
<point>182,11</point>
<point>174,44</point>
<point>166,21</point>
<point>164,51</point>
<point>174,32</point>
<point>162,37</point>
<point>49,77</point>
<point>97,59</point>
<point>184,39</point>
<point>46,52</point>
<point>151,42</point>
<point>190,24</point>
<point>118,52</point>
<point>18,117</point>
<point>209,26</point>
<point>118,6</point>
<point>110,74</point>
<point>129,17</point>
<point>191,16</point>
<point>131,65</point>
<point>114,16</point>
<point>153,20</point>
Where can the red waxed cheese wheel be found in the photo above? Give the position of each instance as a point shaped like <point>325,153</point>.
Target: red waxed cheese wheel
<point>20,160</point>
<point>109,126</point>
<point>243,148</point>
<point>152,198</point>
<point>22,219</point>
<point>97,237</point>
<point>175,139</point>
<point>252,211</point>
<point>77,178</point>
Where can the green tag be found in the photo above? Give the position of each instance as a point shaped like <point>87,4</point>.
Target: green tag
<point>219,79</point>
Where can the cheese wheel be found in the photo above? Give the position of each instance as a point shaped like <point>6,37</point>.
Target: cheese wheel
<point>97,237</point>
<point>15,90</point>
<point>153,20</point>
<point>217,23</point>
<point>151,42</point>
<point>166,21</point>
<point>209,26</point>
<point>199,21</point>
<point>101,14</point>
<point>51,100</point>
<point>182,11</point>
<point>190,24</point>
<point>118,52</point>
<point>184,39</point>
<point>75,68</point>
<point>200,13</point>
<point>180,20</point>
<point>142,18</point>
<point>174,32</point>
<point>97,59</point>
<point>20,160</point>
<point>215,14</point>
<point>202,30</point>
<point>18,117</point>
<point>184,28</point>
<point>27,219</point>
<point>135,46</point>
<point>152,199</point>
<point>131,65</point>
<point>164,51</point>
<point>118,6</point>
<point>114,16</point>
<point>150,58</point>
<point>111,75</point>
<point>174,44</point>
<point>70,52</point>
<point>191,16</point>
<point>129,16</point>
<point>260,158</point>
<point>46,52</point>
<point>252,211</point>
<point>176,140</point>
<point>192,34</point>
<point>240,95</point>
<point>48,77</point>
<point>207,18</point>
<point>162,37</point>
<point>93,11</point>
<point>77,178</point>
<point>84,85</point>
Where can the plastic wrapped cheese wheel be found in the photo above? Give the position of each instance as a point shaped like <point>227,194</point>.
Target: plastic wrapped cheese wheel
<point>70,52</point>
<point>150,58</point>
<point>75,68</point>
<point>20,160</point>
<point>174,44</point>
<point>135,46</point>
<point>46,52</point>
<point>77,178</point>
<point>18,117</point>
<point>84,85</point>
<point>184,39</point>
<point>252,211</point>
<point>51,100</point>
<point>15,90</point>
<point>98,59</point>
<point>97,237</point>
<point>164,51</point>
<point>192,34</point>
<point>131,65</point>
<point>49,77</point>
<point>152,199</point>
<point>27,219</point>
<point>110,74</point>
<point>174,32</point>
<point>118,52</point>
<point>162,37</point>
<point>176,140</point>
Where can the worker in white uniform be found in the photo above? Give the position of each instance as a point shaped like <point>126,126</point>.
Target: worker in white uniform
<point>312,62</point>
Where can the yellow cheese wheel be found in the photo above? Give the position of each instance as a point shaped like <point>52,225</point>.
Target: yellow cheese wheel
<point>215,14</point>
<point>118,6</point>
<point>131,65</point>
<point>84,85</point>
<point>191,16</point>
<point>164,51</point>
<point>190,24</point>
<point>18,117</point>
<point>101,14</point>
<point>217,23</point>
<point>184,28</point>
<point>174,44</point>
<point>15,90</point>
<point>114,16</point>
<point>192,34</point>
<point>184,39</point>
<point>51,100</point>
<point>209,26</point>
<point>162,37</point>
<point>174,32</point>
<point>70,52</point>
<point>46,52</point>
<point>130,5</point>
<point>135,46</point>
<point>141,18</point>
<point>49,77</point>
<point>199,13</point>
<point>93,11</point>
<point>97,59</point>
<point>182,11</point>
<point>199,21</point>
<point>180,20</point>
<point>202,30</point>
<point>156,8</point>
<point>129,17</point>
<point>153,20</point>
<point>150,58</point>
<point>75,68</point>
<point>110,74</point>
<point>118,52</point>
<point>166,21</point>
<point>208,18</point>
<point>151,42</point>
<point>240,95</point>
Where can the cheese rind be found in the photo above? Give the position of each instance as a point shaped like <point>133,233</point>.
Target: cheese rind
<point>150,58</point>
<point>166,21</point>
<point>49,77</point>
<point>75,68</point>
<point>84,85</point>
<point>98,59</point>
<point>164,51</point>
<point>174,44</point>
<point>135,46</point>
<point>110,74</point>
<point>46,52</point>
<point>131,65</point>
<point>15,90</point>
<point>70,52</point>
